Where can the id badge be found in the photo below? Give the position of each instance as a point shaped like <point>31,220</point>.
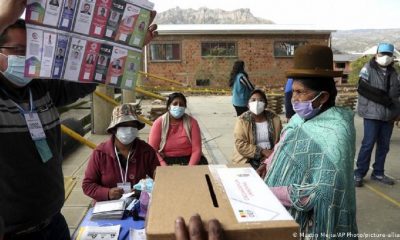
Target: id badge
<point>125,186</point>
<point>34,125</point>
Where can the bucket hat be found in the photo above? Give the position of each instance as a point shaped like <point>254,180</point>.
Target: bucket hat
<point>313,61</point>
<point>124,113</point>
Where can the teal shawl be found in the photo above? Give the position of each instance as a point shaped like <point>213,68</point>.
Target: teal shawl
<point>315,160</point>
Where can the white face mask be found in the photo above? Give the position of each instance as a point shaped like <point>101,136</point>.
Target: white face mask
<point>257,107</point>
<point>126,135</point>
<point>15,71</point>
<point>384,61</point>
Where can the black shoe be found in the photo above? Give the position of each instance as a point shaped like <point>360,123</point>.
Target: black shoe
<point>383,179</point>
<point>358,181</point>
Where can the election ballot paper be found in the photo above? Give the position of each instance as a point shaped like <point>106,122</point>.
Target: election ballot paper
<point>101,233</point>
<point>113,209</point>
<point>237,197</point>
<point>86,41</point>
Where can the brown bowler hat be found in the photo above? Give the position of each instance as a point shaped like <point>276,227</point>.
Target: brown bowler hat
<point>313,61</point>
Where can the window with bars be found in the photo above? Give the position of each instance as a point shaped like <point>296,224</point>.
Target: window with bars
<point>218,49</point>
<point>165,52</point>
<point>286,48</point>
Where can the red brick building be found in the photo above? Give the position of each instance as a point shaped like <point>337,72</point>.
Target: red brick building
<point>203,55</point>
<point>342,62</point>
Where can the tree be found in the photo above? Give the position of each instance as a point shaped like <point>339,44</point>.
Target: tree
<point>356,68</point>
<point>358,64</point>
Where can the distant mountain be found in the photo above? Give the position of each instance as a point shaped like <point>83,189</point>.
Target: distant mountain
<point>348,41</point>
<point>208,16</point>
<point>361,40</point>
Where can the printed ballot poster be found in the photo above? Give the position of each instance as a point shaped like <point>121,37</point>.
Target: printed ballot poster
<point>67,15</point>
<point>100,17</point>
<point>132,66</point>
<point>61,49</point>
<point>35,10</point>
<point>89,61</point>
<point>33,52</point>
<point>86,40</point>
<point>117,66</point>
<point>49,47</point>
<point>103,63</point>
<point>52,13</point>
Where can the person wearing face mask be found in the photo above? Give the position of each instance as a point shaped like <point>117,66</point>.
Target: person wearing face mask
<point>176,136</point>
<point>32,184</point>
<point>379,106</point>
<point>311,168</point>
<point>120,162</point>
<point>256,131</point>
<point>32,187</point>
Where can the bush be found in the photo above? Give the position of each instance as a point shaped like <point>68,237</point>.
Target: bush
<point>358,64</point>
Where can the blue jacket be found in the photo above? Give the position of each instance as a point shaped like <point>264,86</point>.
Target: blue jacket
<point>241,90</point>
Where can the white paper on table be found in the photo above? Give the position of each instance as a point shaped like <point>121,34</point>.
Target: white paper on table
<point>137,234</point>
<point>112,205</point>
<point>94,233</point>
<point>126,195</point>
<point>250,197</point>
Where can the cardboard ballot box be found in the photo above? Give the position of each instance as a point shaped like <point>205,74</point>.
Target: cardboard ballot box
<point>237,197</point>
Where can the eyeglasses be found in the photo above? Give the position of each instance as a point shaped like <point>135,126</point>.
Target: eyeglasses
<point>18,50</point>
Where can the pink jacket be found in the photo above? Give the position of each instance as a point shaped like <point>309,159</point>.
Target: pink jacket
<point>177,143</point>
<point>103,172</point>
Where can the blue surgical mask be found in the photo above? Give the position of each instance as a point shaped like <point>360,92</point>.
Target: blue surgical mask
<point>15,71</point>
<point>305,109</point>
<point>177,111</point>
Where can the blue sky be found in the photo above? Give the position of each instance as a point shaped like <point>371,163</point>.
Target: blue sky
<point>334,14</point>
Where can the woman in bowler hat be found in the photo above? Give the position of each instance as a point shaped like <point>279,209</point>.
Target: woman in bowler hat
<point>311,168</point>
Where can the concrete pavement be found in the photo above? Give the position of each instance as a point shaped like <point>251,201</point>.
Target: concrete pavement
<point>378,205</point>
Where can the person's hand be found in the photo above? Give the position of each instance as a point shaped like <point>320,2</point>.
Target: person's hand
<point>10,11</point>
<point>196,229</point>
<point>262,170</point>
<point>151,30</point>
<point>266,152</point>
<point>115,193</point>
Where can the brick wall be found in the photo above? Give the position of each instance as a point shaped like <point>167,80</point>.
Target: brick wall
<point>256,51</point>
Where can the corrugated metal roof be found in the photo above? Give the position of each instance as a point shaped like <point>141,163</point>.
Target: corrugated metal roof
<point>224,29</point>
<point>345,57</point>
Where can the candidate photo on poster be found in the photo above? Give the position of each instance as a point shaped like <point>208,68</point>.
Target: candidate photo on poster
<point>69,5</point>
<point>60,53</point>
<point>117,64</point>
<point>131,67</point>
<point>101,12</point>
<point>86,9</point>
<point>54,3</point>
<point>141,26</point>
<point>76,54</point>
<point>114,16</point>
<point>102,60</point>
<point>90,59</point>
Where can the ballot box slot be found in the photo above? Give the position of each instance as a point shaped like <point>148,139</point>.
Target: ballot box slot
<point>211,190</point>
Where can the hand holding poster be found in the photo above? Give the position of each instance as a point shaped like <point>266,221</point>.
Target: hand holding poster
<point>86,40</point>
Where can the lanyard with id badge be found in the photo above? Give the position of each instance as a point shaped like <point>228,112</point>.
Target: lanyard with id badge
<point>36,130</point>
<point>126,186</point>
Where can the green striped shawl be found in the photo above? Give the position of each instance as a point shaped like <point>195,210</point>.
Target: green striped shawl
<point>315,159</point>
